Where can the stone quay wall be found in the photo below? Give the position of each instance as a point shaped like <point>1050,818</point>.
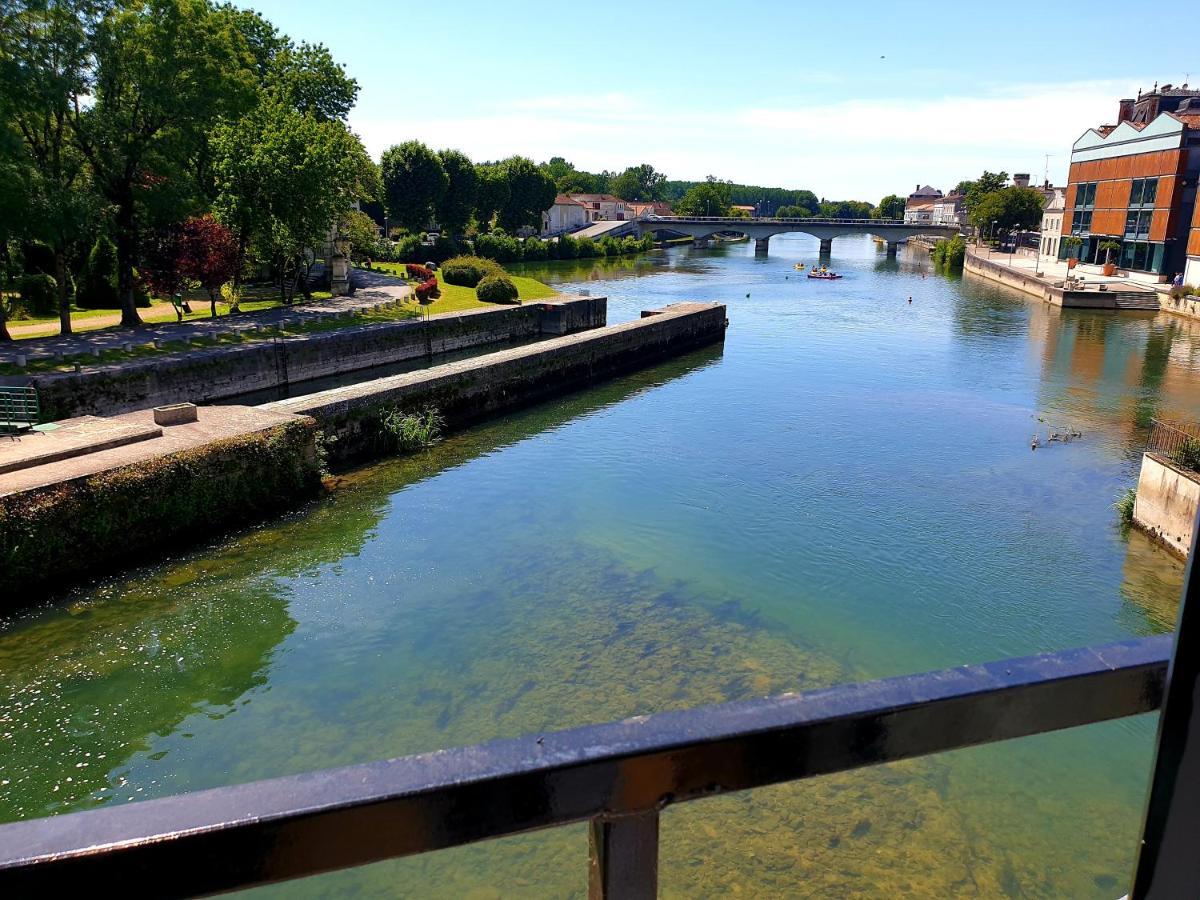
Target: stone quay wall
<point>202,376</point>
<point>471,389</point>
<point>1167,499</point>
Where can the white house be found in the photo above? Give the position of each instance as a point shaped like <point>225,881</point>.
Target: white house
<point>949,210</point>
<point>566,215</point>
<point>1052,221</point>
<point>603,207</point>
<point>918,210</point>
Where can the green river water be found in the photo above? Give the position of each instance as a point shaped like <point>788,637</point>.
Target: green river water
<point>844,491</point>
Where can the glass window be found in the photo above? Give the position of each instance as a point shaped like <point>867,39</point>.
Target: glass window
<point>1149,191</point>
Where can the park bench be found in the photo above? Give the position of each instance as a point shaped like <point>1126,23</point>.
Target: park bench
<point>19,409</point>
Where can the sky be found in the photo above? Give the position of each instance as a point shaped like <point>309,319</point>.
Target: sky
<point>849,100</point>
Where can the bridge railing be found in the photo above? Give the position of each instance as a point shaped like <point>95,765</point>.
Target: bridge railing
<point>617,776</point>
<point>785,221</point>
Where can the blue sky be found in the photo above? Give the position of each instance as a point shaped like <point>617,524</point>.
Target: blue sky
<point>850,100</point>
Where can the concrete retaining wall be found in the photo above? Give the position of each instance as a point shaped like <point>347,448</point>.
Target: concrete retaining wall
<point>201,376</point>
<point>470,389</point>
<point>1167,499</point>
<point>1014,278</point>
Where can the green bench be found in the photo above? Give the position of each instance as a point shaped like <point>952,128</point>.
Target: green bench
<point>19,409</point>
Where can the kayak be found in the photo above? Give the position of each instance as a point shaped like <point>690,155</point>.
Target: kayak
<point>827,276</point>
<point>799,267</point>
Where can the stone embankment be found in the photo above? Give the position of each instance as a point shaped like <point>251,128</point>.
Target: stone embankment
<point>1167,499</point>
<point>97,493</point>
<point>471,389</point>
<point>206,375</point>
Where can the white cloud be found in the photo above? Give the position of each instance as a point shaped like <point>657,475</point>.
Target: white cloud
<point>854,148</point>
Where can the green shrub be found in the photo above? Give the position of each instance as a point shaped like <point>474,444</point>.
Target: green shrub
<point>497,289</point>
<point>1124,507</point>
<point>568,247</point>
<point>609,246</point>
<point>39,294</point>
<point>948,256</point>
<point>533,249</point>
<point>412,430</point>
<point>468,271</point>
<point>587,248</point>
<point>408,248</point>
<point>97,287</point>
<point>1188,455</point>
<point>1184,290</point>
<point>141,295</point>
<point>630,244</point>
<point>498,246</point>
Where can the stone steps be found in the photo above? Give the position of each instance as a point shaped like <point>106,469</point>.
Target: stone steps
<point>1147,300</point>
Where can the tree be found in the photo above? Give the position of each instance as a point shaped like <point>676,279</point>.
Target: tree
<point>161,261</point>
<point>794,212</point>
<point>491,194</point>
<point>359,229</point>
<point>639,183</point>
<point>284,178</point>
<point>44,54</point>
<point>458,204</point>
<point>890,207</point>
<point>414,183</point>
<point>165,72</point>
<point>1011,208</point>
<point>530,193</point>
<point>208,256</point>
<point>974,191</point>
<point>844,209</point>
<point>306,78</point>
<point>710,197</point>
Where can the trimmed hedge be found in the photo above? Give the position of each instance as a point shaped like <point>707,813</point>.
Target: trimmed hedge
<point>468,271</point>
<point>39,294</point>
<point>97,287</point>
<point>497,289</point>
<point>81,527</point>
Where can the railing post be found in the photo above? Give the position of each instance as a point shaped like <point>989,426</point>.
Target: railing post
<point>1168,864</point>
<point>623,854</point>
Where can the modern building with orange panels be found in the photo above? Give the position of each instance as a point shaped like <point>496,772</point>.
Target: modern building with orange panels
<point>1135,183</point>
<point>1191,273</point>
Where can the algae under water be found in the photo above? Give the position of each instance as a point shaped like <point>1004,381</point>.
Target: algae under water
<point>844,491</point>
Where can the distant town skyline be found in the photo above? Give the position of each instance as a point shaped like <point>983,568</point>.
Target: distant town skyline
<point>851,104</point>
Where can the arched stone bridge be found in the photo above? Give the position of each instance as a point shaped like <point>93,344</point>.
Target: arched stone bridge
<point>894,231</point>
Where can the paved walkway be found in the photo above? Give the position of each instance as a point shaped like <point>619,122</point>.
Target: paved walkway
<point>372,290</point>
<point>1053,270</point>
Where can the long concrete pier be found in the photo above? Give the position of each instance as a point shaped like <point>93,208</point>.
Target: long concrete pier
<point>470,389</point>
<point>100,492</point>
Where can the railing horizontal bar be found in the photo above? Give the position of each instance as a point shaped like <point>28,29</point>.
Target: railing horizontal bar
<point>300,825</point>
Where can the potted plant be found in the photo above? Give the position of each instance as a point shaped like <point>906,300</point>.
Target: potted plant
<point>1072,242</point>
<point>1108,247</point>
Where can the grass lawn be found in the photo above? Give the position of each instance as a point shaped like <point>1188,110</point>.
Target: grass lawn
<point>256,297</point>
<point>455,298</point>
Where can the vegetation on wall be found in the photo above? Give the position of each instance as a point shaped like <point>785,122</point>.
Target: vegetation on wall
<point>949,255</point>
<point>86,525</point>
<point>411,431</point>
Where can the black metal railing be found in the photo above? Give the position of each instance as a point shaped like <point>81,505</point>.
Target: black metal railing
<point>1169,438</point>
<point>618,776</point>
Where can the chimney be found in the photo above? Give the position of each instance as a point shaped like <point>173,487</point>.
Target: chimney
<point>1124,110</point>
<point>1021,179</point>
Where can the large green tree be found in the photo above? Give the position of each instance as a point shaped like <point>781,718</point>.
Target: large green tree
<point>710,197</point>
<point>890,207</point>
<point>976,189</point>
<point>165,73</point>
<point>458,204</point>
<point>285,178</point>
<point>44,55</point>
<point>530,193</point>
<point>491,194</point>
<point>640,183</point>
<point>1010,208</point>
<point>414,183</point>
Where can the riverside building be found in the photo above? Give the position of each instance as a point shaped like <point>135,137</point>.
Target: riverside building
<point>1134,183</point>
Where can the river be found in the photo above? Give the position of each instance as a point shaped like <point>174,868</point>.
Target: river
<point>844,491</point>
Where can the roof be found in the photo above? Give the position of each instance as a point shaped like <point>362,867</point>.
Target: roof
<point>564,200</point>
<point>926,191</point>
<point>593,198</point>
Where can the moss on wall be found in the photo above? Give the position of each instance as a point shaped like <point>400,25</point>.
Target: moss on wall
<point>63,532</point>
